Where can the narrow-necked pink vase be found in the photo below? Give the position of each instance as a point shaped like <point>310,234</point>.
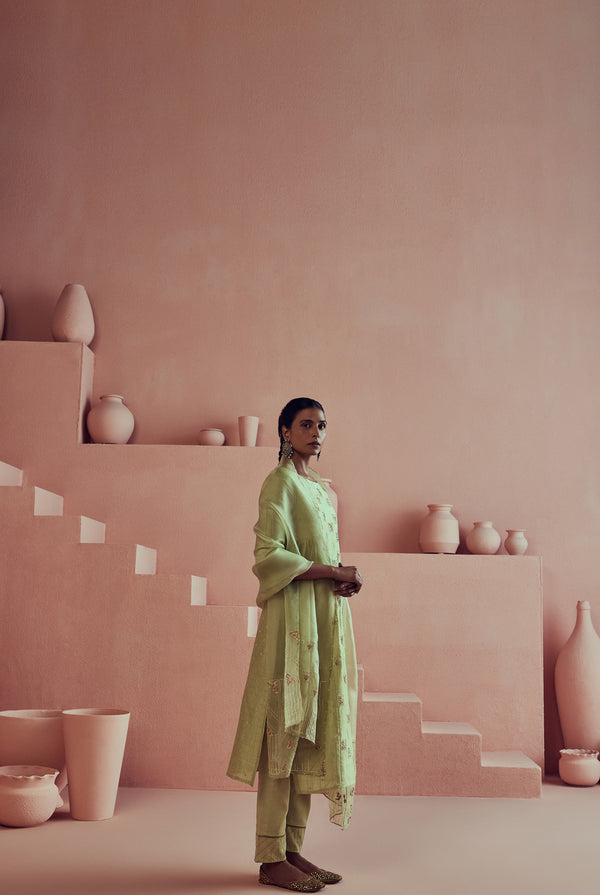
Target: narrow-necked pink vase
<point>577,683</point>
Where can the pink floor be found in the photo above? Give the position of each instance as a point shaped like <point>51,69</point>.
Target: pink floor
<point>172,842</point>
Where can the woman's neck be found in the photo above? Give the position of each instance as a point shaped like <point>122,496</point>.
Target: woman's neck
<point>301,464</point>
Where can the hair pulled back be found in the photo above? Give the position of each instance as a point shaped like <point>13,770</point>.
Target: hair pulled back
<point>289,412</point>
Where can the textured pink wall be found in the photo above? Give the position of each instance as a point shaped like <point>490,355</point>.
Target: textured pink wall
<point>393,206</point>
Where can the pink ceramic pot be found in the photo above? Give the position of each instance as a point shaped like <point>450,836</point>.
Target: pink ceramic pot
<point>248,427</point>
<point>28,795</point>
<point>483,539</point>
<point>34,737</point>
<point>95,745</point>
<point>211,437</point>
<point>516,542</point>
<point>73,318</point>
<point>439,530</point>
<point>579,767</point>
<point>110,421</point>
<point>577,683</point>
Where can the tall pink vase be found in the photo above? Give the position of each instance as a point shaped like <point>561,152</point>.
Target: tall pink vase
<point>73,318</point>
<point>95,745</point>
<point>34,737</point>
<point>248,428</point>
<point>439,530</point>
<point>110,421</point>
<point>577,683</point>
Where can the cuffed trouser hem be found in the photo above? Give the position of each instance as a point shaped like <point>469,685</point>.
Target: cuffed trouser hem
<point>281,815</point>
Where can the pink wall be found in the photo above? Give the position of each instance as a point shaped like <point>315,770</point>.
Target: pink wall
<point>393,206</point>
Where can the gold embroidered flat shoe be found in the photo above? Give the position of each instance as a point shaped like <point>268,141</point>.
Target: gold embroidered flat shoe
<point>298,885</point>
<point>326,876</point>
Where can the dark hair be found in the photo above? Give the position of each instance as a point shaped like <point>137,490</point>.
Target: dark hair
<point>289,412</point>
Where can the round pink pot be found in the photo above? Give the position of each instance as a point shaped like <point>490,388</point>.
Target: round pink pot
<point>28,795</point>
<point>110,421</point>
<point>211,437</point>
<point>248,427</point>
<point>579,767</point>
<point>439,530</point>
<point>516,543</point>
<point>73,318</point>
<point>95,745</point>
<point>34,737</point>
<point>483,539</point>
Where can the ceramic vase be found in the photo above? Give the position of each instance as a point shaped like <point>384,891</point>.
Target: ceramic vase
<point>95,745</point>
<point>483,539</point>
<point>579,767</point>
<point>2,314</point>
<point>211,437</point>
<point>110,421</point>
<point>73,318</point>
<point>28,795</point>
<point>516,542</point>
<point>439,530</point>
<point>34,737</point>
<point>577,683</point>
<point>248,428</point>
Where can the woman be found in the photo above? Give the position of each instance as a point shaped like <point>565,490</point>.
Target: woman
<point>297,723</point>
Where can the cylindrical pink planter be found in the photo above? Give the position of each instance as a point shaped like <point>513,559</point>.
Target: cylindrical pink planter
<point>248,427</point>
<point>34,737</point>
<point>94,745</point>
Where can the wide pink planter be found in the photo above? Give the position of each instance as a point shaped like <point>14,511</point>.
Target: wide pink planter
<point>95,745</point>
<point>34,737</point>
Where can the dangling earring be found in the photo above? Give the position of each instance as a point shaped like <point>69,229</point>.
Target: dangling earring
<point>287,450</point>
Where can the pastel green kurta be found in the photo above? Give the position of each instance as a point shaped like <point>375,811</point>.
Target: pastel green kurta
<point>302,681</point>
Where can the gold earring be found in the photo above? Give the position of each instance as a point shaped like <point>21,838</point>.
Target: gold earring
<point>287,450</point>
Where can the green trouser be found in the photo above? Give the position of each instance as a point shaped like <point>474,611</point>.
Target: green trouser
<point>281,815</point>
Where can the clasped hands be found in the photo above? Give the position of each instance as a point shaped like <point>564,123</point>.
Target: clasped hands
<point>348,581</point>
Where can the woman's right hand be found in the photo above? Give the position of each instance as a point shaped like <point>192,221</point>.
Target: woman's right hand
<point>348,581</point>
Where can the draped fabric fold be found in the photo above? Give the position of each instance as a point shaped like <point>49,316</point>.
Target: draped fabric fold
<point>301,686</point>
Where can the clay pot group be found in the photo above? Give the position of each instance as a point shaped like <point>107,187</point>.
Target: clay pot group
<point>90,742</point>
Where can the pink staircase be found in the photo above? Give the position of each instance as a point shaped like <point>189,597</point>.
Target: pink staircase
<point>409,756</point>
<point>109,627</point>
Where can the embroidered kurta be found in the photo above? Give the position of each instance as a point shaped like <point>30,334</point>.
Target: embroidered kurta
<point>302,681</point>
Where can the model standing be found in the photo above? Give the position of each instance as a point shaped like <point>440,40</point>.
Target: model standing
<point>297,724</point>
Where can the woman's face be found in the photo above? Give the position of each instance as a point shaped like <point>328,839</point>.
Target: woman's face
<point>307,432</point>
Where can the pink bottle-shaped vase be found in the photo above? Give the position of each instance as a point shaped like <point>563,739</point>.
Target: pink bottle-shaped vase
<point>577,684</point>
<point>439,530</point>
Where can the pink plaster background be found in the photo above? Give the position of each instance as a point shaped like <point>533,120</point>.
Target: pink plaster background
<point>393,206</point>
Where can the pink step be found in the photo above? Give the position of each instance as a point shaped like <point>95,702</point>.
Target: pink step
<point>10,475</point>
<point>400,754</point>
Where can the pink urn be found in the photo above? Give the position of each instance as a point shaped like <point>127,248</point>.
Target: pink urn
<point>110,421</point>
<point>483,539</point>
<point>439,530</point>
<point>516,542</point>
